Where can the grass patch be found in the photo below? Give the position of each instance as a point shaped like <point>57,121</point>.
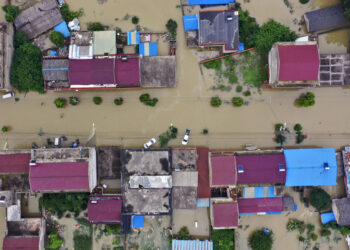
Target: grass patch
<point>82,236</point>
<point>223,239</point>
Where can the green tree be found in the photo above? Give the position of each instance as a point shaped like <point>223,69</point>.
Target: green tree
<point>60,102</point>
<point>306,100</point>
<point>270,33</point>
<point>281,139</point>
<point>213,64</point>
<point>239,89</point>
<point>215,101</point>
<point>248,28</point>
<point>135,20</point>
<point>300,137</point>
<point>223,239</point>
<point>69,15</point>
<point>172,26</point>
<point>57,38</point>
<point>5,129</point>
<point>320,199</point>
<point>304,1</point>
<point>55,241</point>
<point>183,234</point>
<point>260,240</point>
<point>97,100</point>
<point>205,131</point>
<point>118,101</point>
<point>298,127</point>
<point>237,101</point>
<point>11,12</point>
<point>95,26</point>
<point>26,70</point>
<point>73,100</point>
<point>19,39</point>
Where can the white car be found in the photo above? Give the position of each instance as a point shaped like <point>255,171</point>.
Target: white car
<point>8,95</point>
<point>186,137</point>
<point>149,143</point>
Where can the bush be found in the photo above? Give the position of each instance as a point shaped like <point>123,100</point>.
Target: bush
<point>112,229</point>
<point>5,129</point>
<point>135,20</point>
<point>298,127</point>
<point>95,26</point>
<point>118,101</point>
<point>278,127</point>
<point>215,101</point>
<point>237,101</point>
<point>314,237</point>
<point>172,26</point>
<point>69,15</point>
<point>205,131</point>
<point>19,39</point>
<point>26,69</point>
<point>223,239</point>
<point>304,1</point>
<point>213,64</point>
<point>270,33</point>
<point>147,100</point>
<point>259,240</point>
<point>55,241</point>
<point>247,93</point>
<point>295,224</point>
<point>248,28</point>
<point>97,100</point>
<point>233,79</point>
<point>171,133</point>
<point>144,97</point>
<point>57,38</point>
<point>325,232</point>
<point>306,100</point>
<point>11,12</point>
<point>60,102</point>
<point>183,234</point>
<point>300,137</point>
<point>320,199</point>
<point>280,139</point>
<point>73,100</point>
<point>239,89</point>
<point>82,241</point>
<point>301,239</point>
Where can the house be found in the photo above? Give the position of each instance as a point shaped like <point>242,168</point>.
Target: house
<point>104,43</point>
<point>203,190</point>
<point>311,167</point>
<point>63,169</point>
<point>222,169</point>
<point>224,215</point>
<point>6,53</point>
<point>81,45</point>
<point>325,19</point>
<point>219,28</point>
<point>346,163</point>
<point>260,205</point>
<point>294,64</point>
<point>14,161</point>
<point>341,208</point>
<point>191,245</point>
<point>127,70</point>
<point>21,242</point>
<point>105,209</point>
<point>260,168</point>
<point>55,73</point>
<point>210,2</point>
<point>39,18</point>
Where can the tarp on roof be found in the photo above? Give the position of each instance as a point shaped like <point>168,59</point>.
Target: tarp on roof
<point>225,215</point>
<point>62,28</point>
<point>23,242</point>
<point>260,205</point>
<point>327,217</point>
<point>59,176</point>
<point>14,163</point>
<point>191,22</point>
<point>138,221</point>
<point>191,245</point>
<point>133,37</point>
<point>203,189</point>
<point>148,49</point>
<point>223,170</point>
<point>105,209</point>
<point>298,62</point>
<point>209,2</point>
<point>307,167</point>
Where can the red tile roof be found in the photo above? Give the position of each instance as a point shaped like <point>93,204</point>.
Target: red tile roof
<point>298,62</point>
<point>59,176</point>
<point>21,243</point>
<point>106,210</point>
<point>260,205</point>
<point>259,169</point>
<point>225,215</point>
<point>223,170</point>
<point>203,189</point>
<point>14,163</point>
<point>128,72</point>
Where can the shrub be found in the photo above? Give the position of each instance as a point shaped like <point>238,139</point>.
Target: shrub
<point>171,133</point>
<point>215,101</point>
<point>247,93</point>
<point>183,234</point>
<point>69,15</point>
<point>320,199</point>
<point>172,26</point>
<point>278,127</point>
<point>11,12</point>
<point>55,241</point>
<point>239,89</point>
<point>213,64</point>
<point>325,232</point>
<point>118,101</point>
<point>60,102</point>
<point>280,139</point>
<point>314,237</point>
<point>248,28</point>
<point>112,229</point>
<point>147,100</point>
<point>144,97</point>
<point>301,239</point>
<point>95,26</point>
<point>298,127</point>
<point>237,101</point>
<point>57,38</point>
<point>223,239</point>
<point>233,78</point>
<point>306,100</point>
<point>5,129</point>
<point>300,137</point>
<point>73,100</point>
<point>295,224</point>
<point>259,240</point>
<point>205,131</point>
<point>19,39</point>
<point>304,1</point>
<point>135,20</point>
<point>97,100</point>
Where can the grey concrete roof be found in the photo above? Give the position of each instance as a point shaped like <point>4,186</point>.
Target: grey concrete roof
<point>184,197</point>
<point>341,208</point>
<point>108,162</point>
<point>184,159</point>
<point>185,179</point>
<point>334,70</point>
<point>55,69</point>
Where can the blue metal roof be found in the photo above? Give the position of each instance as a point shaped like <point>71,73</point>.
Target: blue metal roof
<point>62,28</point>
<point>259,192</point>
<point>209,2</point>
<point>191,22</point>
<point>203,202</point>
<point>191,245</point>
<point>148,49</point>
<point>308,167</point>
<point>327,217</point>
<point>133,37</point>
<point>138,221</point>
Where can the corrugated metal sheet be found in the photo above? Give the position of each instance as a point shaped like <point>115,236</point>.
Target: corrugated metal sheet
<point>203,202</point>
<point>209,2</point>
<point>192,245</point>
<point>190,22</point>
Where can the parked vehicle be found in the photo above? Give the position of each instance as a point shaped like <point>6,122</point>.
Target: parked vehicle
<point>8,95</point>
<point>149,143</point>
<point>186,137</point>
